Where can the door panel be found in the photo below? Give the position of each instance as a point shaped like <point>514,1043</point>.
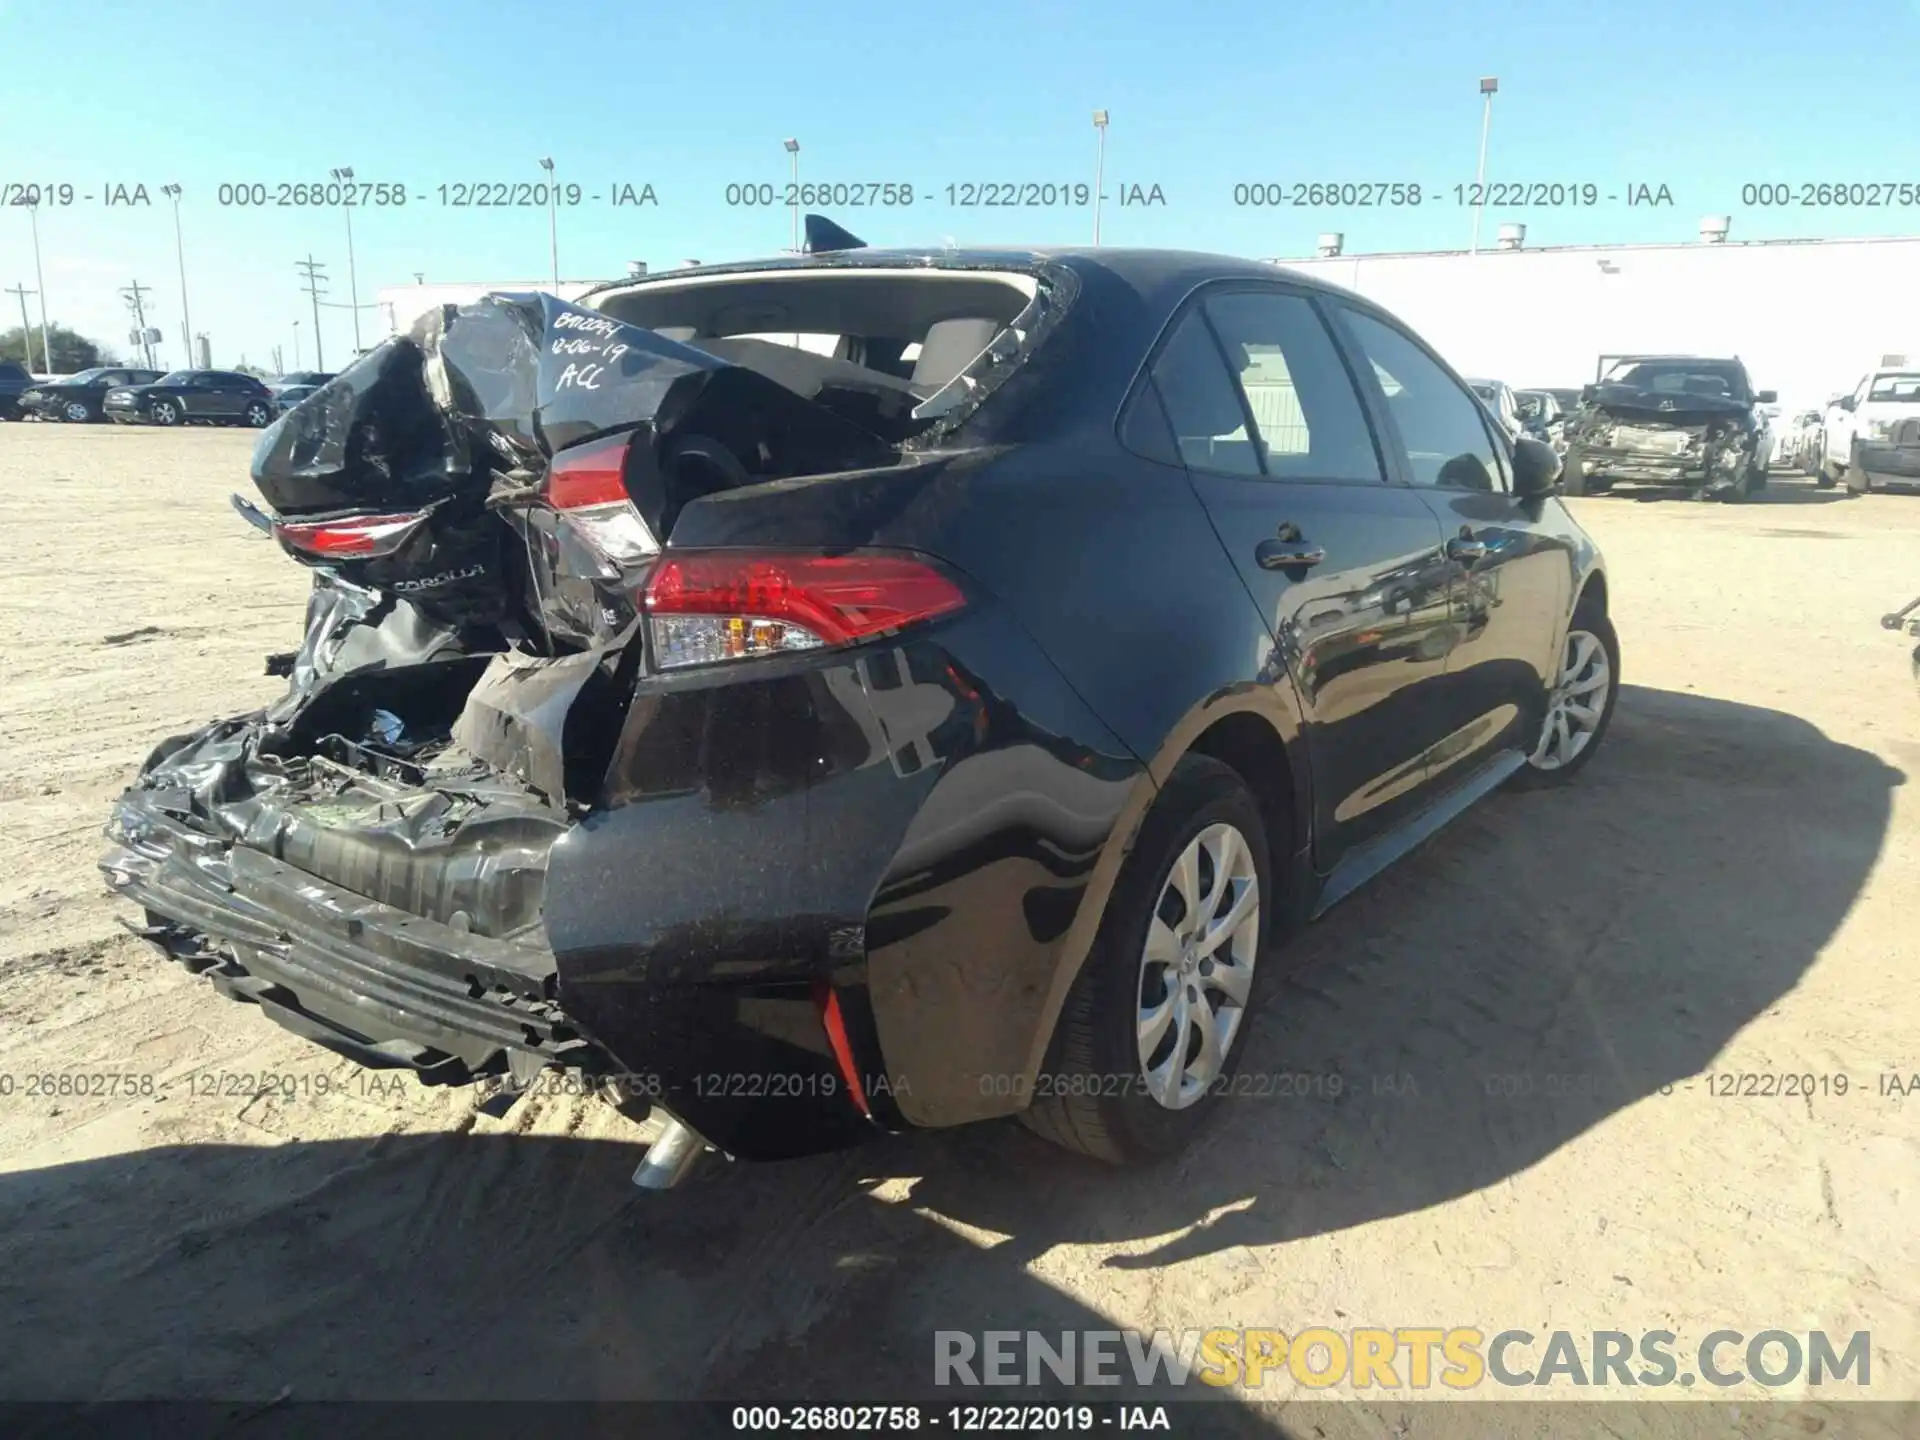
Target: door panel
<point>1363,634</point>
<point>1344,567</point>
<point>1510,564</point>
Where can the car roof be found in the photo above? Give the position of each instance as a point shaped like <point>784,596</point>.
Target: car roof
<point>1142,270</point>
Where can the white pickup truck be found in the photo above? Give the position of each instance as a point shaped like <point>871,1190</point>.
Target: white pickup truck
<point>1871,438</point>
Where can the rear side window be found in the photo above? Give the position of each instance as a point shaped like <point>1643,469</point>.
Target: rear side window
<point>1202,402</point>
<point>1442,425</point>
<point>1307,419</point>
<point>1146,432</point>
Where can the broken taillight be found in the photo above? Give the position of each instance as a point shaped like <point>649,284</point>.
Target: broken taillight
<point>355,537</point>
<point>714,605</point>
<point>587,485</point>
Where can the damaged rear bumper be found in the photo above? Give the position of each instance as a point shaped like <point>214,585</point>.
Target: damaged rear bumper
<point>382,986</point>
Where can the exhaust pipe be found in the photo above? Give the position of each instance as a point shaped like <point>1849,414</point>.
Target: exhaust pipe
<point>670,1158</point>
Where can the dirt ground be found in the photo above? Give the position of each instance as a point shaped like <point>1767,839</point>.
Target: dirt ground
<point>1508,1010</point>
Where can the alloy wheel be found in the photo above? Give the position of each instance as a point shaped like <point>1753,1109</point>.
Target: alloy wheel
<point>1196,969</point>
<point>76,411</point>
<point>164,413</point>
<point>1578,702</point>
<point>256,415</point>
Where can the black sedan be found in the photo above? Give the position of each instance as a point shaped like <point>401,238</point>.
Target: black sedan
<point>813,746</point>
<point>194,397</point>
<point>81,399</point>
<point>15,381</point>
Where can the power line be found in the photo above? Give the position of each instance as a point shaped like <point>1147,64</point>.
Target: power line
<point>314,273</point>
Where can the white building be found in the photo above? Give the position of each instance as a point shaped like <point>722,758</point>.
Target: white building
<point>1808,317</point>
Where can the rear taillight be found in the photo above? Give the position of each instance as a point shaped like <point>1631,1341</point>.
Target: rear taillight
<point>587,486</point>
<point>358,537</point>
<point>733,604</point>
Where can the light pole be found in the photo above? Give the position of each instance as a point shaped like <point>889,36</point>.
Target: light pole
<point>31,200</point>
<point>1489,85</point>
<point>345,176</point>
<point>172,192</point>
<point>296,344</point>
<point>793,156</point>
<point>1099,168</point>
<point>553,223</point>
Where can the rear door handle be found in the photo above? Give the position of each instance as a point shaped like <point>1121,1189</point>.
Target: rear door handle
<point>1464,547</point>
<point>1285,554</point>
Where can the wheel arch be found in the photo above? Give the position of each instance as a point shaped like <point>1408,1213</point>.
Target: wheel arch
<point>1257,731</point>
<point>1594,590</point>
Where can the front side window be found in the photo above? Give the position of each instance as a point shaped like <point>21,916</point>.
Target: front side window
<point>1441,423</point>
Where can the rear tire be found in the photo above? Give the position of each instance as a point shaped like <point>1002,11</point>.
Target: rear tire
<point>1098,1093</point>
<point>258,415</point>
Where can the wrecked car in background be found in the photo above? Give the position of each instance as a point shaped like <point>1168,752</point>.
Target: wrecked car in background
<point>1682,421</point>
<point>816,745</point>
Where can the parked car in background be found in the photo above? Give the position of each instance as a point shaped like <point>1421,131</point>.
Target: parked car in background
<point>195,397</point>
<point>1498,398</point>
<point>1871,438</point>
<point>290,390</point>
<point>838,746</point>
<point>1565,405</point>
<point>1539,412</point>
<point>15,381</point>
<point>81,398</point>
<point>1685,421</point>
<point>1799,444</point>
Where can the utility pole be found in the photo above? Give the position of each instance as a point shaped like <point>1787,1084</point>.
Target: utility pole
<point>26,328</point>
<point>314,272</point>
<point>136,301</point>
<point>31,202</point>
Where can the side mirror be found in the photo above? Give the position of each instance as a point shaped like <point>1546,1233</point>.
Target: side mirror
<point>1587,392</point>
<point>1845,402</point>
<point>1767,397</point>
<point>1536,468</point>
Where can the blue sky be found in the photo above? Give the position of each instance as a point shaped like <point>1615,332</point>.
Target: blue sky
<point>1699,97</point>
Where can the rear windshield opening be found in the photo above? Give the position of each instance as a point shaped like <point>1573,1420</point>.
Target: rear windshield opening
<point>869,344</point>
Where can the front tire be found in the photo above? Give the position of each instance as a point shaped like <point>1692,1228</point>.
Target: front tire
<point>1580,705</point>
<point>165,412</point>
<point>75,412</point>
<point>1151,1032</point>
<point>1858,481</point>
